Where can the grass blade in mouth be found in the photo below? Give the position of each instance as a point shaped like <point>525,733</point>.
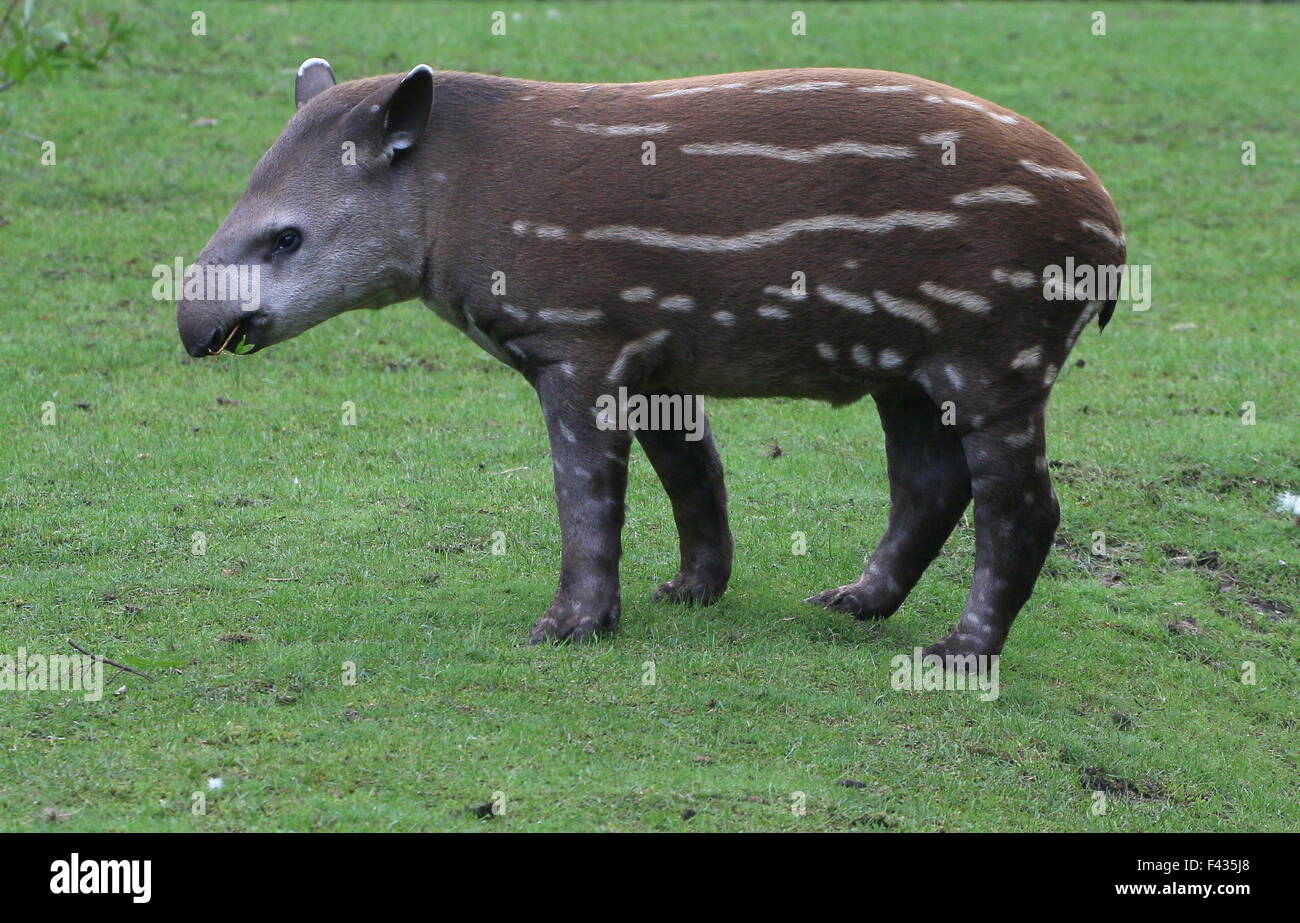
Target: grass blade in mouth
<point>233,331</point>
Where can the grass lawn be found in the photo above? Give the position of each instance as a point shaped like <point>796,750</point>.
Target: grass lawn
<point>371,544</point>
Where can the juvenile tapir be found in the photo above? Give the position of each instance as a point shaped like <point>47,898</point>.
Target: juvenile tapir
<point>818,234</point>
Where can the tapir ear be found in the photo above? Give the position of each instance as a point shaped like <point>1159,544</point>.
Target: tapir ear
<point>314,77</point>
<point>407,110</point>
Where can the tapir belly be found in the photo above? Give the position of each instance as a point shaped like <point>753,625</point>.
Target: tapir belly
<point>809,233</point>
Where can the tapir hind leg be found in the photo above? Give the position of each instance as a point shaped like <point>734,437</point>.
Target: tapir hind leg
<point>590,466</point>
<point>691,473</point>
<point>929,487</point>
<point>1016,515</point>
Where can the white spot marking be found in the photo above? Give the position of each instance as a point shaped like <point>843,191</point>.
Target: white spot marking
<point>889,359</point>
<point>638,293</point>
<point>679,303</point>
<point>1028,358</point>
<point>772,312</point>
<point>954,376</point>
<point>826,351</point>
<point>789,293</point>
<point>725,318</point>
<point>862,356</point>
<point>941,137</point>
<point>1017,279</point>
<point>1020,440</point>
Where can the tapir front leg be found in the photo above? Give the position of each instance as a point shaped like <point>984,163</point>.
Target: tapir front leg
<point>590,467</point>
<point>1016,515</point>
<point>691,473</point>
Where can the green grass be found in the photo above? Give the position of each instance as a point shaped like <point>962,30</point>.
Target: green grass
<point>385,527</point>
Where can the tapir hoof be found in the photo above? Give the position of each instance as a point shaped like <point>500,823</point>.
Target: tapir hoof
<point>574,622</point>
<point>690,589</point>
<point>962,644</point>
<point>858,599</point>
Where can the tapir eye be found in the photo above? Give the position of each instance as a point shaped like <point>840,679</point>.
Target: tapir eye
<point>287,241</point>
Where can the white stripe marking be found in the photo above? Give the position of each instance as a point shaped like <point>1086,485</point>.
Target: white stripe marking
<point>517,313</point>
<point>692,91</point>
<point>801,87</point>
<point>1098,228</point>
<point>544,231</point>
<point>845,299</point>
<point>613,131</point>
<point>570,316</point>
<point>1011,194</point>
<point>941,137</point>
<point>967,301</point>
<point>754,240</point>
<point>1051,172</point>
<point>887,88</point>
<point>634,349</point>
<point>772,312</point>
<point>795,155</point>
<point>1089,311</point>
<point>907,310</point>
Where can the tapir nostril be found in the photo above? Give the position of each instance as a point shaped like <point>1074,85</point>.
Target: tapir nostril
<point>213,343</point>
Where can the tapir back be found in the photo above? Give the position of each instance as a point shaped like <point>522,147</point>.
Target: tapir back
<point>800,232</point>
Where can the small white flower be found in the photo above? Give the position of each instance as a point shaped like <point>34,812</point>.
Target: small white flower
<point>215,783</point>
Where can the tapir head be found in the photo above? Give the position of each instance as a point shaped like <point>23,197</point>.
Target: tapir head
<point>332,218</point>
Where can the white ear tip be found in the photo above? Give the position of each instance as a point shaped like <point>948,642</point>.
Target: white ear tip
<point>312,62</point>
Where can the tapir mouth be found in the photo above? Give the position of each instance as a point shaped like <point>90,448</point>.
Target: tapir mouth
<point>233,340</point>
